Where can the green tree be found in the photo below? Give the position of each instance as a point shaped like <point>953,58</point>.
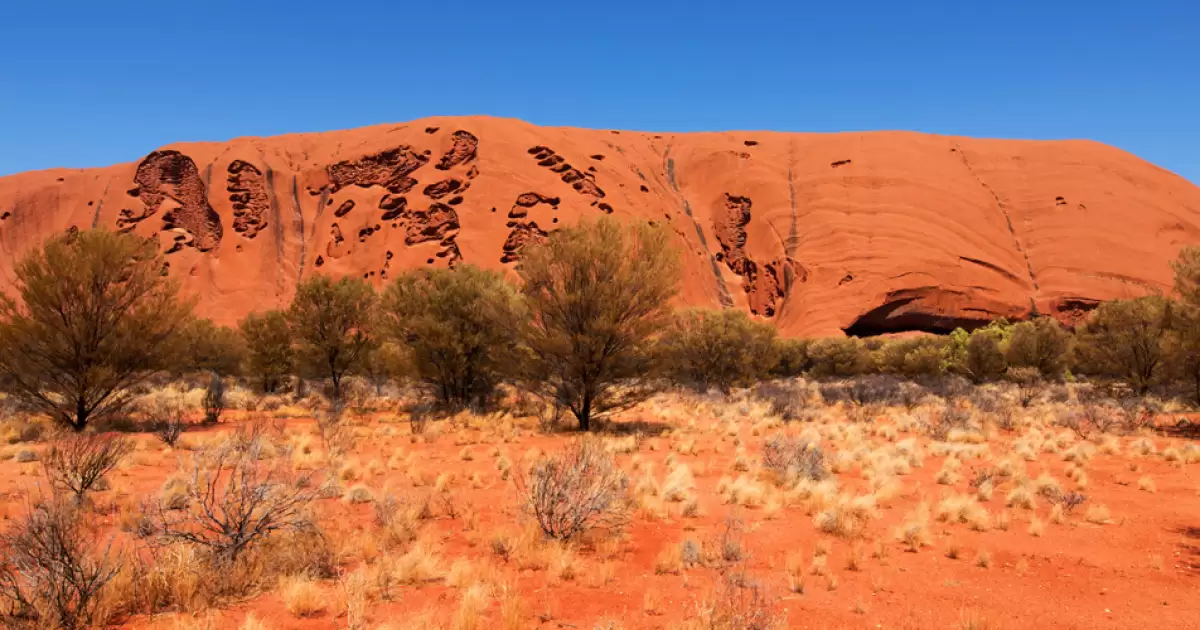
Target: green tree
<point>596,293</point>
<point>460,328</point>
<point>95,318</point>
<point>1184,359</point>
<point>384,362</point>
<point>331,322</point>
<point>1040,343</point>
<point>207,347</point>
<point>707,348</point>
<point>1187,276</point>
<point>268,342</point>
<point>1185,344</point>
<point>1128,339</point>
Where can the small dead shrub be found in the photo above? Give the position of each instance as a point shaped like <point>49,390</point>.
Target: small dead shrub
<point>51,575</point>
<point>791,457</point>
<point>236,497</point>
<point>77,463</point>
<point>579,489</point>
<point>740,603</point>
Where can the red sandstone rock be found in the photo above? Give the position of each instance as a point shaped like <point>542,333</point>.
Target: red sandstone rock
<point>821,233</point>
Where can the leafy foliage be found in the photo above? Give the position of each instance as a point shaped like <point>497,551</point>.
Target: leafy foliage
<point>1128,339</point>
<point>720,349</point>
<point>332,324</point>
<point>95,319</point>
<point>596,293</point>
<point>268,341</point>
<point>459,327</point>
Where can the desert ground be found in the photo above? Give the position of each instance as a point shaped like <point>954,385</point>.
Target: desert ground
<point>938,511</point>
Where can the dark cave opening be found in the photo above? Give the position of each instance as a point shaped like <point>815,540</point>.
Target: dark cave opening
<point>885,320</point>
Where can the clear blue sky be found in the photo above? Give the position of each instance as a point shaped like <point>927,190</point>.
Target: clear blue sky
<point>94,83</point>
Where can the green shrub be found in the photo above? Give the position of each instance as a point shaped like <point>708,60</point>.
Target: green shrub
<point>925,355</point>
<point>705,348</point>
<point>845,356</point>
<point>1041,343</point>
<point>792,357</point>
<point>984,359</point>
<point>459,327</point>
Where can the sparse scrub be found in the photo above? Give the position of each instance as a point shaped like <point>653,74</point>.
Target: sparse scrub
<point>234,499</point>
<point>52,575</point>
<point>579,489</point>
<point>791,458</point>
<point>76,464</point>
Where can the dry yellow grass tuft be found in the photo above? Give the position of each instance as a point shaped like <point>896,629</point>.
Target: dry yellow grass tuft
<point>1098,514</point>
<point>302,596</point>
<point>358,493</point>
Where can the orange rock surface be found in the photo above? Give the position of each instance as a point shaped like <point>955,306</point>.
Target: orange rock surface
<point>821,233</point>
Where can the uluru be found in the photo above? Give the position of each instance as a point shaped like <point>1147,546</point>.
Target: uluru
<point>820,233</point>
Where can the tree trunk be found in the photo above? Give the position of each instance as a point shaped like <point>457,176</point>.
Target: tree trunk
<point>81,416</point>
<point>585,413</point>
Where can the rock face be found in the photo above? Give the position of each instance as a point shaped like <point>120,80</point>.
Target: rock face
<point>861,233</point>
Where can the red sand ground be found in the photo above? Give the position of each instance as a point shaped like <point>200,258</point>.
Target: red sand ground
<point>1137,571</point>
<point>889,230</point>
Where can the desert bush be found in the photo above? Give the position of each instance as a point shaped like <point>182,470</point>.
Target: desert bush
<point>579,489</point>
<point>52,574</point>
<point>94,320</point>
<point>459,327</point>
<point>331,322</point>
<point>993,403</point>
<point>166,419</point>
<point>1093,414</point>
<point>984,360</point>
<point>706,348</point>
<point>914,357</point>
<point>77,463</point>
<point>596,293</point>
<point>268,342</point>
<point>1127,339</point>
<point>844,356</point>
<point>791,457</point>
<point>947,419</point>
<point>235,497</point>
<point>1041,343</point>
<point>792,357</point>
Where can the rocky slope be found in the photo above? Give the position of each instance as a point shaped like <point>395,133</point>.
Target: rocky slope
<point>821,233</point>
